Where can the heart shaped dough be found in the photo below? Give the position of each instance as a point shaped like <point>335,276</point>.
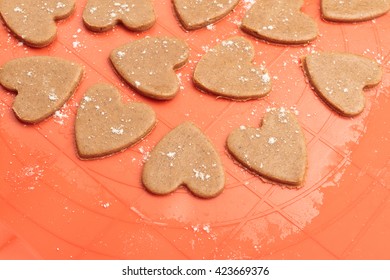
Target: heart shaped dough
<point>280,21</point>
<point>105,125</point>
<point>184,157</point>
<point>339,78</point>
<point>102,15</point>
<point>43,85</point>
<point>33,21</point>
<point>148,65</point>
<point>228,71</point>
<point>354,10</point>
<point>195,14</point>
<point>276,150</point>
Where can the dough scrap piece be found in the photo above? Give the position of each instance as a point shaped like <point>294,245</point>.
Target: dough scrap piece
<point>103,15</point>
<point>276,150</point>
<point>195,14</point>
<point>227,70</point>
<point>33,21</point>
<point>184,157</point>
<point>353,10</point>
<point>104,125</point>
<point>43,85</point>
<point>280,21</point>
<point>149,65</point>
<point>339,79</point>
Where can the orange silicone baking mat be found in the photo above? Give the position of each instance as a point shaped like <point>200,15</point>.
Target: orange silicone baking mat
<point>55,206</point>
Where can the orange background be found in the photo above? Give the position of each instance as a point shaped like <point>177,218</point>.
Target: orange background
<point>54,206</point>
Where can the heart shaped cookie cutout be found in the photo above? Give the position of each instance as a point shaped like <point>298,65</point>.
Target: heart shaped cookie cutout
<point>33,21</point>
<point>276,150</point>
<point>227,70</point>
<point>105,125</point>
<point>340,78</point>
<point>149,65</point>
<point>195,14</point>
<point>280,21</point>
<point>102,15</point>
<point>43,85</point>
<point>354,10</point>
<point>184,157</point>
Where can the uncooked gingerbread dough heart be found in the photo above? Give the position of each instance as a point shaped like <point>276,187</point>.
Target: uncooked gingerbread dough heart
<point>43,85</point>
<point>354,10</point>
<point>228,71</point>
<point>195,14</point>
<point>33,21</point>
<point>339,78</point>
<point>184,157</point>
<point>148,65</point>
<point>105,125</point>
<point>280,21</point>
<point>276,150</point>
<point>102,15</point>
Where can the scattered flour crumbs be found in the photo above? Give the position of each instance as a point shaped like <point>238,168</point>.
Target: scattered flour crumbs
<point>76,43</point>
<point>237,18</point>
<point>3,108</point>
<point>256,232</point>
<point>18,44</point>
<point>105,205</point>
<point>60,116</point>
<point>27,178</point>
<point>145,151</point>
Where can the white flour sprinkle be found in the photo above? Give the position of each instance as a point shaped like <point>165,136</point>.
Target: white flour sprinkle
<point>200,175</point>
<point>265,78</point>
<point>272,140</point>
<point>171,155</point>
<point>118,131</point>
<point>52,95</point>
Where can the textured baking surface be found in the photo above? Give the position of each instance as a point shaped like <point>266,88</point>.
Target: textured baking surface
<point>54,206</point>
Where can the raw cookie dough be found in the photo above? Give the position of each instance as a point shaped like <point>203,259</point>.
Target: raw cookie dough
<point>227,70</point>
<point>195,14</point>
<point>339,78</point>
<point>33,21</point>
<point>43,85</point>
<point>149,65</point>
<point>105,125</point>
<point>102,15</point>
<point>184,157</point>
<point>354,10</point>
<point>280,21</point>
<point>276,150</point>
